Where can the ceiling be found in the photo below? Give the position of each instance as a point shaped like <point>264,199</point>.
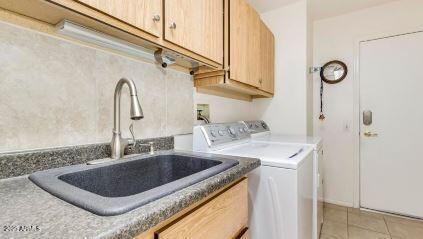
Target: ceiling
<point>266,5</point>
<point>320,8</point>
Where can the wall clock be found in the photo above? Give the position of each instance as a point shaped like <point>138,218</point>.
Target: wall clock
<point>334,72</point>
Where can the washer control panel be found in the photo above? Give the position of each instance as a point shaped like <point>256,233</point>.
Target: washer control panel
<point>257,126</point>
<point>217,134</point>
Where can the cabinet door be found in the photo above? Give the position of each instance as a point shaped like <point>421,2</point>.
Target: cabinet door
<point>143,14</point>
<point>267,56</point>
<point>221,218</point>
<point>196,25</point>
<point>244,46</point>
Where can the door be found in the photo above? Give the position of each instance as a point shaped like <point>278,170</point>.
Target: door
<point>391,160</point>
<point>244,43</point>
<point>143,14</point>
<point>267,59</point>
<point>196,25</point>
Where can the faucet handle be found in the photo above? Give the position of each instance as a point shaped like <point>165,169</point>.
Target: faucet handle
<point>151,145</point>
<point>132,142</point>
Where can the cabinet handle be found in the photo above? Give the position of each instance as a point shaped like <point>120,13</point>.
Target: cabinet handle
<point>156,18</point>
<point>172,25</point>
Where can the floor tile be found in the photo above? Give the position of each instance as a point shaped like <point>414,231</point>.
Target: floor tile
<point>364,212</point>
<point>334,206</point>
<point>335,215</point>
<point>324,236</point>
<point>369,222</point>
<point>403,220</point>
<point>405,231</point>
<point>359,233</point>
<point>335,230</point>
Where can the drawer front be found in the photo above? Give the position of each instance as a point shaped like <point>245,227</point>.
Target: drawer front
<point>222,217</point>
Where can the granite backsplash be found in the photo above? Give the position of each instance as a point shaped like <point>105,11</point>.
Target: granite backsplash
<point>26,162</point>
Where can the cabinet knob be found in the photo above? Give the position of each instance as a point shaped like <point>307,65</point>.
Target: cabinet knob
<point>156,18</point>
<point>172,25</point>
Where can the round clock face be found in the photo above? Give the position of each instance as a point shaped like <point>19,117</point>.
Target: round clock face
<point>333,72</point>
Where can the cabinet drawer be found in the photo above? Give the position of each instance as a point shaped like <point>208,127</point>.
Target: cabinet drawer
<point>222,217</point>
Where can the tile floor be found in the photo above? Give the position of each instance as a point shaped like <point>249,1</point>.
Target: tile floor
<point>350,223</point>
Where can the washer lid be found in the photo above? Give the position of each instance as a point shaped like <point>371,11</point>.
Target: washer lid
<point>276,155</point>
<point>315,142</point>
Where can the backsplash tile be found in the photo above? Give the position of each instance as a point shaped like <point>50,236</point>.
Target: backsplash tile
<point>56,93</point>
<point>180,106</point>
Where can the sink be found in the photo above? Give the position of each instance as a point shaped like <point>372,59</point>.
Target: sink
<point>117,187</point>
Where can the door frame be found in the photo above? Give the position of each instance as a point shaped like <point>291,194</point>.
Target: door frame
<point>356,100</point>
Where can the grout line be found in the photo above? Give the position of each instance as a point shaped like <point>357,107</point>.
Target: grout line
<point>371,230</point>
<point>348,224</point>
<point>386,224</point>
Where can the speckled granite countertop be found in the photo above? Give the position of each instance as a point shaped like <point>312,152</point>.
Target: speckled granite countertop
<point>22,203</point>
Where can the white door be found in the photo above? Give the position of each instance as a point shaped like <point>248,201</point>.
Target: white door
<point>391,87</point>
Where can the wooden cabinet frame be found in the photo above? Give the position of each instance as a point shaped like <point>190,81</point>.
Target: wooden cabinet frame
<point>51,12</point>
<point>187,212</point>
<point>219,82</point>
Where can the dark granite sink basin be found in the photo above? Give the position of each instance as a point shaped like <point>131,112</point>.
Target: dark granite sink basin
<point>117,187</point>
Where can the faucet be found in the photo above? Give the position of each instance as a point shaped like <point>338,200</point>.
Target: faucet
<point>202,117</point>
<point>118,143</point>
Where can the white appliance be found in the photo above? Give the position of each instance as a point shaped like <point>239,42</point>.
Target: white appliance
<point>280,191</point>
<point>260,132</point>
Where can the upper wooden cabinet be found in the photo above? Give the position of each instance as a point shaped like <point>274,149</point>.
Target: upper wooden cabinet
<point>143,14</point>
<point>196,25</point>
<point>267,59</point>
<point>244,43</point>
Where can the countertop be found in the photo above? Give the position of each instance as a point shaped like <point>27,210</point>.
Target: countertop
<point>27,211</point>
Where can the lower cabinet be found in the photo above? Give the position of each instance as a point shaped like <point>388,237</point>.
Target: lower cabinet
<point>222,216</point>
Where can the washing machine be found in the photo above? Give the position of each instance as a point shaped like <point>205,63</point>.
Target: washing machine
<point>280,190</point>
<point>260,132</point>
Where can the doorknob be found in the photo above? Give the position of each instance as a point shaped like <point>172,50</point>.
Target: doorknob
<point>370,134</point>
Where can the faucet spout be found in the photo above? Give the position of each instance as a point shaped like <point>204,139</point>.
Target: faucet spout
<point>119,144</point>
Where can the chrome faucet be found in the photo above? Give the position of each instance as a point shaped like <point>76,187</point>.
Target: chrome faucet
<point>118,143</point>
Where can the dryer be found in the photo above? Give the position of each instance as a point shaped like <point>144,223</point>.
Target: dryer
<point>260,132</point>
<point>280,191</point>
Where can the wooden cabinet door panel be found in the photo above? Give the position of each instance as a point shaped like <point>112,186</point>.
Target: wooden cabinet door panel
<point>254,50</point>
<point>267,57</point>
<point>138,13</point>
<point>244,46</point>
<point>222,217</point>
<point>197,25</point>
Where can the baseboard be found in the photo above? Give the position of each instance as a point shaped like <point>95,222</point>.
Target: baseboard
<point>340,203</point>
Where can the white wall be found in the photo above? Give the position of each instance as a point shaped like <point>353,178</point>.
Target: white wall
<point>287,112</point>
<point>334,38</point>
<point>225,109</point>
<point>55,92</point>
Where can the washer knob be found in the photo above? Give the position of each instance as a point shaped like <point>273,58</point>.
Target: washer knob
<point>221,132</point>
<point>232,131</point>
<point>213,133</point>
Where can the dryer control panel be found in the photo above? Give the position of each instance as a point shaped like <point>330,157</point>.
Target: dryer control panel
<point>217,134</point>
<point>256,126</point>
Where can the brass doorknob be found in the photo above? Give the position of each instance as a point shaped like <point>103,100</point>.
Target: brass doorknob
<point>370,134</point>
